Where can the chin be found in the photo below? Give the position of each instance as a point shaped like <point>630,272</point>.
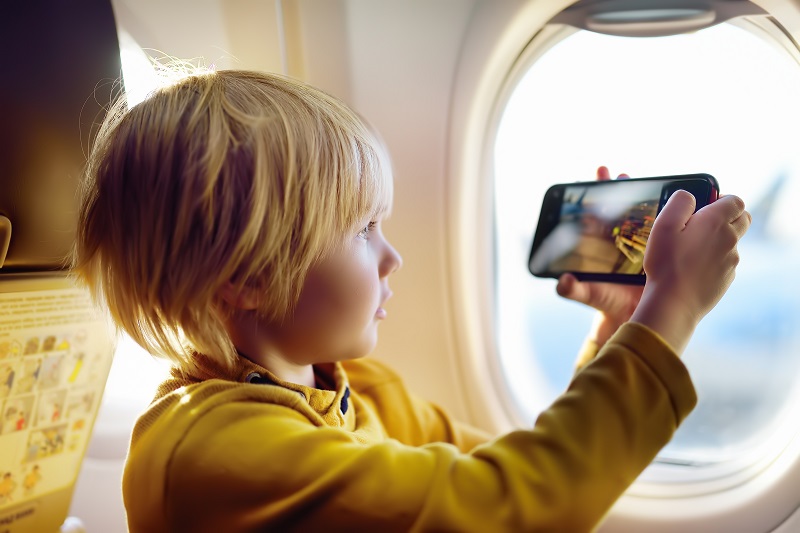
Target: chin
<point>362,351</point>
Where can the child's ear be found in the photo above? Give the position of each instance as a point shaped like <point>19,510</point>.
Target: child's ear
<point>245,297</point>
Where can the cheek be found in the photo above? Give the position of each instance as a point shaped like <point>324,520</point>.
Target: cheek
<point>335,316</point>
<point>339,297</point>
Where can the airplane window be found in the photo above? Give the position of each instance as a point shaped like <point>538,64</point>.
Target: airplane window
<point>721,101</point>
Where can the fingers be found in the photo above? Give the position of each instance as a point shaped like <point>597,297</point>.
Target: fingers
<point>566,285</point>
<point>570,288</point>
<point>733,206</point>
<point>677,211</point>
<point>603,174</point>
<point>732,210</point>
<point>742,224</point>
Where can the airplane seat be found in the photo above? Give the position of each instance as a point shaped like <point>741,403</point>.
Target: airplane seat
<point>56,347</point>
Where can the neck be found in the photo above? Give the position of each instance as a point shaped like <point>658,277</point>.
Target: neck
<point>253,342</point>
<point>286,370</point>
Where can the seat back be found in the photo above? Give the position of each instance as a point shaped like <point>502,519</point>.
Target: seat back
<point>55,347</point>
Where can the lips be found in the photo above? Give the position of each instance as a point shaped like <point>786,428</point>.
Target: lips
<point>381,312</point>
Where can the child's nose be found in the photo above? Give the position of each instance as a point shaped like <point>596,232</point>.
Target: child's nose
<point>391,260</point>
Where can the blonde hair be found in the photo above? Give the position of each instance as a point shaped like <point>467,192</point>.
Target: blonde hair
<point>223,176</point>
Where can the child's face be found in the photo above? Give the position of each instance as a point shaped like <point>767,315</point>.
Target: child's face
<point>341,304</point>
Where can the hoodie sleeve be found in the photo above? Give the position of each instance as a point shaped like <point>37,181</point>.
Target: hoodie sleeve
<point>241,466</point>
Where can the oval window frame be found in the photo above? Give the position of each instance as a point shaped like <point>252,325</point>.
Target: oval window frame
<point>493,55</point>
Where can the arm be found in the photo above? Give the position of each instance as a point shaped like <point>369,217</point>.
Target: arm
<point>615,305</point>
<point>250,466</point>
<point>689,267</point>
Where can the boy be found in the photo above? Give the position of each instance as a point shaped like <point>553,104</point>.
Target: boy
<point>232,222</point>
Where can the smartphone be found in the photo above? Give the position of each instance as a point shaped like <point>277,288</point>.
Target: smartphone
<point>598,230</point>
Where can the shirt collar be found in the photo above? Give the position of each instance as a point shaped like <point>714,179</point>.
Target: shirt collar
<point>332,405</point>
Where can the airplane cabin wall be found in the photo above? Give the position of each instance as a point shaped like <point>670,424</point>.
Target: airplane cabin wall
<point>225,33</point>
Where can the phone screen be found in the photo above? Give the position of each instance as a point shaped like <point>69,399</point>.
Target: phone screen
<point>599,230</point>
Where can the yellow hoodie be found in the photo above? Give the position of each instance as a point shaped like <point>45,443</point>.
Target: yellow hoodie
<point>240,450</point>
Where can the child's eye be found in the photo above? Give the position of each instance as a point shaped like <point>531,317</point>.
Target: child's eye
<point>366,230</point>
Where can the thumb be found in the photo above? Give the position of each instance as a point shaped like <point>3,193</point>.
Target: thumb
<point>676,212</point>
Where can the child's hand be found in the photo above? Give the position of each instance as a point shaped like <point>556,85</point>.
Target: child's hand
<point>614,301</point>
<point>690,262</point>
